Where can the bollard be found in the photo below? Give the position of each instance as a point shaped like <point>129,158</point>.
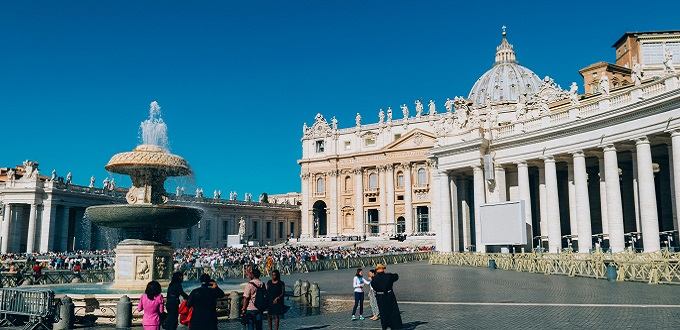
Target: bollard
<point>297,290</point>
<point>124,313</point>
<point>235,306</point>
<point>66,315</point>
<point>316,295</point>
<point>304,291</point>
<point>492,263</point>
<point>611,270</point>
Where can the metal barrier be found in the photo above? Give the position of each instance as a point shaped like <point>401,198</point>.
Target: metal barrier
<point>10,280</point>
<point>36,304</point>
<point>661,267</point>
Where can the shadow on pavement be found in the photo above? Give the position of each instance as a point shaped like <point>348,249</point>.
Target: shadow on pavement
<point>412,325</point>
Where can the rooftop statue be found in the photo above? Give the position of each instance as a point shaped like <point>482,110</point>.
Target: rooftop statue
<point>604,84</point>
<point>404,110</point>
<point>419,108</point>
<point>573,93</point>
<point>381,116</point>
<point>449,105</point>
<point>668,60</point>
<point>92,181</point>
<point>334,123</point>
<point>358,119</point>
<point>433,109</point>
<point>54,175</point>
<point>637,73</point>
<point>69,176</point>
<point>389,113</point>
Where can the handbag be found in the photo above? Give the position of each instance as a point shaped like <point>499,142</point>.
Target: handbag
<point>185,313</point>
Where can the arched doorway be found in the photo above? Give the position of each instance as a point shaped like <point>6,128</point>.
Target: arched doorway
<point>320,224</point>
<point>401,225</point>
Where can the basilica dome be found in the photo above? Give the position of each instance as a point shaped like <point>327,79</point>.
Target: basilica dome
<point>506,80</point>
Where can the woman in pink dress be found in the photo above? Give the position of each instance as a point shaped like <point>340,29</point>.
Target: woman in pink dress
<point>151,302</point>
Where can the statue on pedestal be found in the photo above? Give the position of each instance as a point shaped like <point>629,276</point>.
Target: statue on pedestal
<point>637,73</point>
<point>449,104</point>
<point>106,184</point>
<point>604,84</point>
<point>358,119</point>
<point>10,176</point>
<point>177,191</point>
<point>404,110</point>
<point>54,175</point>
<point>92,181</point>
<point>381,116</point>
<point>241,227</point>
<point>69,176</point>
<point>573,93</point>
<point>389,113</point>
<point>668,61</point>
<point>433,109</point>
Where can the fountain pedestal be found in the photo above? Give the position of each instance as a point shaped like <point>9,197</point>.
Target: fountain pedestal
<point>138,262</point>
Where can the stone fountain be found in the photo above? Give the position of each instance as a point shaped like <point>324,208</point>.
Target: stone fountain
<point>146,253</point>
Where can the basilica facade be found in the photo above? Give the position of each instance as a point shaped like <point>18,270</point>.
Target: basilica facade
<point>593,169</point>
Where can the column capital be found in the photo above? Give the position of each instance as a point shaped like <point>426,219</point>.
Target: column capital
<point>521,163</point>
<point>608,147</point>
<point>405,165</point>
<point>305,176</point>
<point>389,167</point>
<point>578,154</point>
<point>332,173</point>
<point>430,163</point>
<point>548,159</point>
<point>641,140</point>
<point>381,168</point>
<point>358,170</point>
<point>674,132</point>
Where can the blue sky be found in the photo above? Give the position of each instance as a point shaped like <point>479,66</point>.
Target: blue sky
<point>236,80</point>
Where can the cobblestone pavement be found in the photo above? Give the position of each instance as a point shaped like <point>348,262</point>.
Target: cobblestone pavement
<point>449,297</point>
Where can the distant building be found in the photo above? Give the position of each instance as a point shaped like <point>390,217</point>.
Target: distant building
<point>647,49</point>
<point>40,214</point>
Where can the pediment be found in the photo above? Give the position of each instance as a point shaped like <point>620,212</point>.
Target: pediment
<point>414,139</point>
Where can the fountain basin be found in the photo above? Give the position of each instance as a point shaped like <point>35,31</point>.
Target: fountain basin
<point>144,216</point>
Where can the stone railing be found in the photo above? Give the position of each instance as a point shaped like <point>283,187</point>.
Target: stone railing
<point>9,280</point>
<point>660,267</point>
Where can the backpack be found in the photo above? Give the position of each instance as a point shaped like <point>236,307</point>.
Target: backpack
<point>261,299</point>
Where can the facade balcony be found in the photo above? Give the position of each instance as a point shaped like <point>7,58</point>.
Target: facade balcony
<point>420,188</point>
<point>369,192</point>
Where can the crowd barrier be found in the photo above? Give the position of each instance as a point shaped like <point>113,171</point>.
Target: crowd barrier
<point>661,267</point>
<point>35,304</point>
<point>241,271</point>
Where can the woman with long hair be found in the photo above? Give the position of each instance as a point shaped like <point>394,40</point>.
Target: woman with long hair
<point>151,303</point>
<point>358,285</point>
<point>276,291</point>
<point>175,291</point>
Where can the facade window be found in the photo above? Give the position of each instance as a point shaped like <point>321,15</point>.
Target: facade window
<point>652,53</point>
<point>675,49</point>
<point>348,183</point>
<point>348,145</point>
<point>372,181</point>
<point>255,230</point>
<point>225,229</point>
<point>292,228</point>
<point>397,136</point>
<point>370,142</point>
<point>280,229</point>
<point>422,176</point>
<point>400,197</point>
<point>400,180</point>
<point>269,229</point>
<point>319,146</point>
<point>190,234</point>
<point>320,185</point>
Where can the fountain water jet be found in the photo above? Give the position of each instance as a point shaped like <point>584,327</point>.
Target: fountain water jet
<point>146,254</point>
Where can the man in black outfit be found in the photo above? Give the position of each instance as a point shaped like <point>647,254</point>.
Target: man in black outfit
<point>382,283</point>
<point>204,302</point>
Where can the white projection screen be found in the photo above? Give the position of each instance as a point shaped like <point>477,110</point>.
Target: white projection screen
<point>503,223</point>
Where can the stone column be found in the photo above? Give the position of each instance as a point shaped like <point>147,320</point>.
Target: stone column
<point>390,199</point>
<point>614,207</point>
<point>5,228</point>
<point>333,195</point>
<point>382,198</point>
<point>553,206</point>
<point>408,198</point>
<point>47,225</point>
<point>671,166</point>
<point>525,195</point>
<point>573,222</point>
<point>443,210</point>
<point>453,205</point>
<point>359,227</point>
<point>675,146</point>
<point>649,219</point>
<point>636,191</point>
<point>464,211</point>
<point>500,190</point>
<point>480,198</point>
<point>306,207</point>
<point>30,240</point>
<point>543,205</point>
<point>603,195</point>
<point>582,203</point>
<point>65,239</point>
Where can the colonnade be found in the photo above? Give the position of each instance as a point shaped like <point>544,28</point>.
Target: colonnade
<point>561,201</point>
<point>47,227</point>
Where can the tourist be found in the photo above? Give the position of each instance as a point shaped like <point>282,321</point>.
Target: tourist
<point>175,291</point>
<point>151,303</point>
<point>276,292</point>
<point>252,313</point>
<point>371,296</point>
<point>358,285</point>
<point>204,302</point>
<point>387,302</point>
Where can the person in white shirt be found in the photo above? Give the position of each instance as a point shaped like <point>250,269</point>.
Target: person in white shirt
<point>358,284</point>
